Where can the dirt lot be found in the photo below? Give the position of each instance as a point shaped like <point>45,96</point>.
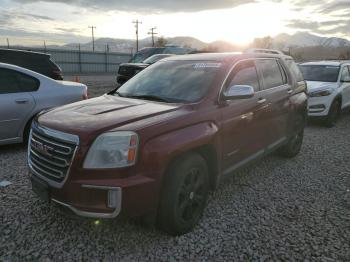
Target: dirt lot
<point>278,209</point>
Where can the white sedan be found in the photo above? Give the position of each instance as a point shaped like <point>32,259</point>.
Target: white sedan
<point>24,93</point>
<point>328,85</point>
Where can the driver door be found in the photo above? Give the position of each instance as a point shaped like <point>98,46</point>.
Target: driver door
<point>243,125</point>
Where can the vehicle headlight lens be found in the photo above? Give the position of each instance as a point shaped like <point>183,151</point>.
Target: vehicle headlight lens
<point>326,92</point>
<point>112,150</point>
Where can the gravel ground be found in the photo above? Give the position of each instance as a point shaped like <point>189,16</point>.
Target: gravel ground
<point>277,209</point>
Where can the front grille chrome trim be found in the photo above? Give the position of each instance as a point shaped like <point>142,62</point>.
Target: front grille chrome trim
<point>59,137</point>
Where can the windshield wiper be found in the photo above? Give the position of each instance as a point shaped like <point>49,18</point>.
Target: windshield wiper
<point>149,97</point>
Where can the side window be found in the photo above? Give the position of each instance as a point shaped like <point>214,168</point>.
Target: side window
<point>345,72</point>
<point>245,74</point>
<point>271,73</point>
<point>8,82</point>
<point>15,82</point>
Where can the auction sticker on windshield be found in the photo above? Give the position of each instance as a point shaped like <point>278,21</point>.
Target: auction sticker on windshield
<point>207,65</point>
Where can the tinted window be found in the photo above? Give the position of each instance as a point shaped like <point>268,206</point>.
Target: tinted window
<point>322,73</point>
<point>245,74</point>
<point>175,81</point>
<point>294,69</point>
<point>271,73</point>
<point>15,82</point>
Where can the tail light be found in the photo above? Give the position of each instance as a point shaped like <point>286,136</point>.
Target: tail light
<point>85,94</point>
<point>58,74</point>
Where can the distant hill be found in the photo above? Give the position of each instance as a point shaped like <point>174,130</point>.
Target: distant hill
<point>303,39</point>
<point>128,45</point>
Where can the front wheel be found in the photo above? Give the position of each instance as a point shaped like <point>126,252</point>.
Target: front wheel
<point>333,114</point>
<point>184,195</point>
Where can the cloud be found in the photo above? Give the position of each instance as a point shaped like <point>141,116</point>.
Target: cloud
<point>335,6</point>
<point>338,26</point>
<point>150,5</point>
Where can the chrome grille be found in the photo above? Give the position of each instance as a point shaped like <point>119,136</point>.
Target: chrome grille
<point>50,155</point>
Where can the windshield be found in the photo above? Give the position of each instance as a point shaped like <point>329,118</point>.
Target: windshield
<point>172,81</point>
<point>321,73</point>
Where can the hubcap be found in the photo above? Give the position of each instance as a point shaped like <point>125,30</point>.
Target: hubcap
<point>191,196</point>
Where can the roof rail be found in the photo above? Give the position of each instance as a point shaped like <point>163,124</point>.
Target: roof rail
<point>262,50</point>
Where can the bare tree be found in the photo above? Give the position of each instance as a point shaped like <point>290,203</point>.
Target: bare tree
<point>161,42</point>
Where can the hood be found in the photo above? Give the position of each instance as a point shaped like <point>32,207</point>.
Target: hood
<point>313,86</point>
<point>101,114</point>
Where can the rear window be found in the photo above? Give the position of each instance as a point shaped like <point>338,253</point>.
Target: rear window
<point>321,73</point>
<point>271,73</point>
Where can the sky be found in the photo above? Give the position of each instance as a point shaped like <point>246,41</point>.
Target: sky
<point>236,21</point>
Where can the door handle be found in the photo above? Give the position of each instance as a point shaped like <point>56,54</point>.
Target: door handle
<point>261,100</point>
<point>22,101</point>
<point>289,91</point>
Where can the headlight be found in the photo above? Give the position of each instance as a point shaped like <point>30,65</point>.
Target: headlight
<point>112,150</point>
<point>326,92</point>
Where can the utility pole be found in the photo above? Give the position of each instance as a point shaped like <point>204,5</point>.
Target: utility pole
<point>153,34</point>
<point>137,22</point>
<point>93,37</point>
<point>45,46</point>
<point>8,43</point>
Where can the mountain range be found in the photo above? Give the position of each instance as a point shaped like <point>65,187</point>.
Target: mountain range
<point>281,41</point>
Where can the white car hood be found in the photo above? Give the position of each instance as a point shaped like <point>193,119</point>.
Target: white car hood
<point>313,86</point>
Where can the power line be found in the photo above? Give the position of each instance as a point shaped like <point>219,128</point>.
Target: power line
<point>153,34</point>
<point>137,22</point>
<point>93,37</point>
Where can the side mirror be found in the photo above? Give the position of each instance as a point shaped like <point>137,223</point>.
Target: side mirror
<point>238,92</point>
<point>346,79</point>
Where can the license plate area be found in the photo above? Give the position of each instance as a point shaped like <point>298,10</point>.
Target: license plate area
<point>41,188</point>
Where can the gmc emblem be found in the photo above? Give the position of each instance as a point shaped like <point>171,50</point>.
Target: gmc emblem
<point>43,149</point>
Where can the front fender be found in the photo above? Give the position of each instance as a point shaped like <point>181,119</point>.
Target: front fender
<point>158,152</point>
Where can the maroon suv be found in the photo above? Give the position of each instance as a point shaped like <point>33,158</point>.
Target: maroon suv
<point>163,140</point>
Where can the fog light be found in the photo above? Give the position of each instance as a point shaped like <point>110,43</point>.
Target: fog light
<point>317,107</point>
<point>112,198</point>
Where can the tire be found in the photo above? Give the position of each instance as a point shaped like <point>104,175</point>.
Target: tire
<point>294,143</point>
<point>333,114</point>
<point>184,195</point>
<point>26,132</point>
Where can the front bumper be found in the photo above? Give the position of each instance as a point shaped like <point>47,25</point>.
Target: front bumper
<point>114,201</point>
<point>319,106</point>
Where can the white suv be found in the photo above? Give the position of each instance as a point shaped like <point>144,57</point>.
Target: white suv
<point>328,87</point>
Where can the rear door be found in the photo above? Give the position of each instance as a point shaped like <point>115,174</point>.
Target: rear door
<point>243,127</point>
<point>16,102</point>
<point>276,92</point>
<point>345,86</point>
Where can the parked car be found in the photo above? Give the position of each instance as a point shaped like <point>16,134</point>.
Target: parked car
<point>147,52</point>
<point>37,62</point>
<point>157,145</point>
<point>328,85</point>
<point>24,93</point>
<point>128,70</point>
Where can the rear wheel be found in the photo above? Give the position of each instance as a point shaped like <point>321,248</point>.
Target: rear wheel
<point>184,196</point>
<point>333,114</point>
<point>294,143</point>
